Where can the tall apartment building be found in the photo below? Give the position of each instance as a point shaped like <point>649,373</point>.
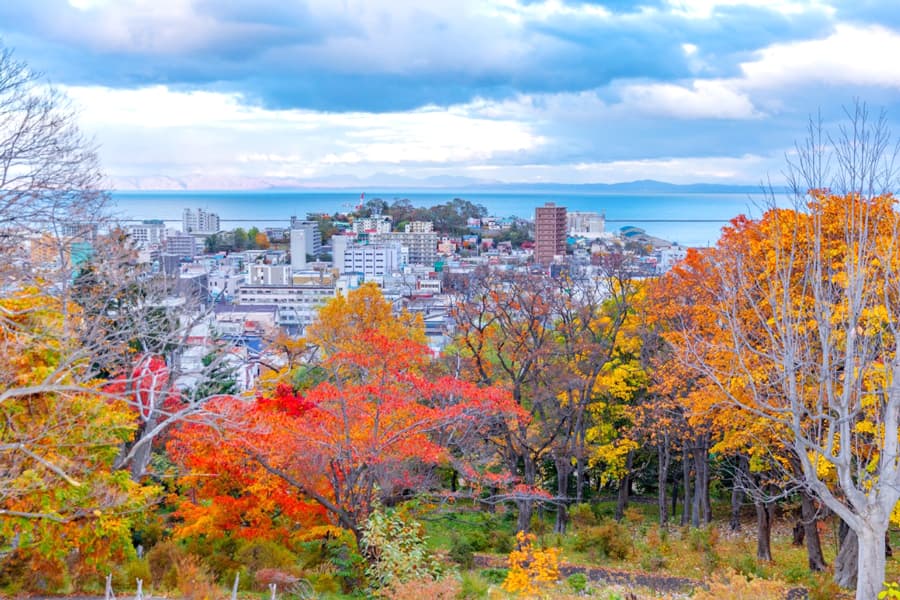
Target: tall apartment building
<point>549,232</point>
<point>201,221</point>
<point>147,234</point>
<point>422,246</point>
<point>305,239</point>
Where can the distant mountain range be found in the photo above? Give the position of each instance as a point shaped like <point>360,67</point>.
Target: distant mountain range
<point>388,181</point>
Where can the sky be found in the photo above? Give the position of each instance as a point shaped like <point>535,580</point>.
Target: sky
<point>571,91</point>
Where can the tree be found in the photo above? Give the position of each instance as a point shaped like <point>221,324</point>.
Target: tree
<point>374,421</point>
<point>810,344</point>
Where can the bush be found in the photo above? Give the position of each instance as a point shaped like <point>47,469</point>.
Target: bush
<point>494,575</point>
<point>265,554</point>
<point>461,552</point>
<point>735,586</point>
<point>582,516</point>
<point>137,568</point>
<point>501,542</point>
<point>163,559</point>
<point>397,549</point>
<point>473,587</point>
<point>610,539</point>
<point>746,564</point>
<point>194,581</point>
<point>653,562</point>
<point>531,569</point>
<point>578,582</point>
<point>447,588</point>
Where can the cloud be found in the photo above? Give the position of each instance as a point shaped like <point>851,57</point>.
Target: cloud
<point>359,55</point>
<point>701,100</point>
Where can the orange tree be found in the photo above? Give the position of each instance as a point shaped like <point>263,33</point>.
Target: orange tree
<point>375,421</point>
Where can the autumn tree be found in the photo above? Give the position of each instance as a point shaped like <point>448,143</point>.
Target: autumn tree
<point>375,423</point>
<point>810,339</point>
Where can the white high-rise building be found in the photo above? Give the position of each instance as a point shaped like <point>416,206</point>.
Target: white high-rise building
<point>305,239</point>
<point>201,221</point>
<point>373,261</point>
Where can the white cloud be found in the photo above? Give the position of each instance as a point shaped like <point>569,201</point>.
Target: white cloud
<point>212,130</point>
<point>851,55</point>
<point>704,99</point>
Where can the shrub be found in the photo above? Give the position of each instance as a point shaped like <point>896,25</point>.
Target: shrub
<point>610,539</point>
<point>265,554</point>
<point>582,516</point>
<point>822,587</point>
<point>746,564</point>
<point>501,542</point>
<point>163,559</point>
<point>461,552</point>
<point>494,575</point>
<point>474,587</point>
<point>653,562</point>
<point>194,581</point>
<point>397,549</point>
<point>578,582</point>
<point>447,588</point>
<point>530,568</point>
<point>735,586</point>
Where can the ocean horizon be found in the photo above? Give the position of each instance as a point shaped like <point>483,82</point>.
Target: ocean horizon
<point>691,219</point>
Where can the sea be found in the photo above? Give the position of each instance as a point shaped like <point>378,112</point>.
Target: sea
<point>690,219</point>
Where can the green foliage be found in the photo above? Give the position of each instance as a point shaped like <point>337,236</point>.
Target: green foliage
<point>473,587</point>
<point>462,552</point>
<point>746,564</point>
<point>494,575</point>
<point>578,582</point>
<point>396,549</point>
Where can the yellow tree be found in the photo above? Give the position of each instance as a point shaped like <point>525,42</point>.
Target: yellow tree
<point>60,496</point>
<point>810,340</point>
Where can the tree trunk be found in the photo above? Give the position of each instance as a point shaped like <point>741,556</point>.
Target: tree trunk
<point>526,506</point>
<point>871,564</point>
<point>674,496</point>
<point>737,494</point>
<point>701,513</point>
<point>563,468</point>
<point>811,532</point>
<point>665,455</point>
<point>847,560</point>
<point>764,512</point>
<point>686,474</point>
<point>624,488</point>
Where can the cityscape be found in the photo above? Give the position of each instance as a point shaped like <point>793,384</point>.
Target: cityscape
<point>451,300</point>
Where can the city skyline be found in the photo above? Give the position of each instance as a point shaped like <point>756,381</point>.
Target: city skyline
<point>188,92</point>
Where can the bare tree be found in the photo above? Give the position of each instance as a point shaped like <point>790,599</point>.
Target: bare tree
<point>808,300</point>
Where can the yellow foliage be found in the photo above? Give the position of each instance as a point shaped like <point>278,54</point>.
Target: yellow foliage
<point>531,569</point>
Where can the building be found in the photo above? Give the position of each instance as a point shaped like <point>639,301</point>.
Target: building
<point>585,224</point>
<point>263,274</point>
<point>422,246</point>
<point>297,304</point>
<point>147,234</point>
<point>549,233</point>
<point>181,244</point>
<point>201,221</point>
<point>372,261</point>
<point>306,239</point>
<point>379,224</point>
<point>419,227</point>
<point>79,232</point>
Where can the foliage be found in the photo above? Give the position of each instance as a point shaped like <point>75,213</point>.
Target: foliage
<point>531,569</point>
<point>396,550</point>
<point>445,588</point>
<point>578,582</point>
<point>610,538</point>
<point>891,591</point>
<point>739,587</point>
